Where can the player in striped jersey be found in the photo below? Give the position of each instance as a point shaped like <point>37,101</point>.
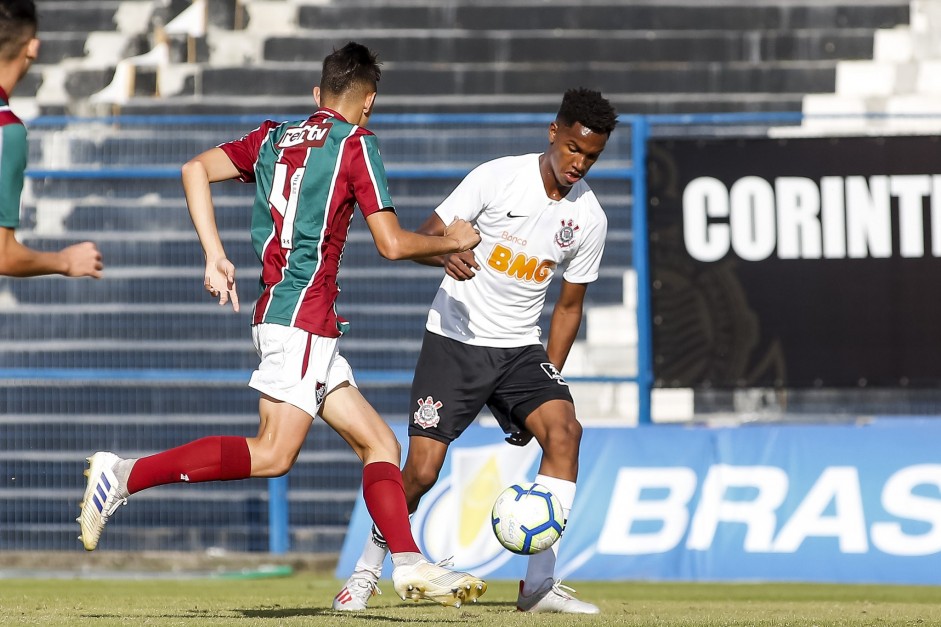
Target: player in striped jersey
<point>309,174</point>
<point>18,48</point>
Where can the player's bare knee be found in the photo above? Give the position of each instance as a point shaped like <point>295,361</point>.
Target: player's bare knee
<point>422,476</point>
<point>563,439</point>
<point>387,449</point>
<point>274,465</point>
<point>573,430</point>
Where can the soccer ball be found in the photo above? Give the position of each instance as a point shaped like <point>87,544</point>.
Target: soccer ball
<point>527,518</point>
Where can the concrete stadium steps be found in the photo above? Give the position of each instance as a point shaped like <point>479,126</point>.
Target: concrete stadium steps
<point>197,323</point>
<point>602,16</point>
<point>168,249</point>
<point>26,88</point>
<point>431,144</point>
<point>130,398</point>
<point>144,188</point>
<point>177,252</point>
<point>75,15</point>
<point>225,355</point>
<point>431,79</point>
<point>556,45</point>
<point>389,285</point>
<point>184,518</point>
<point>123,323</point>
<point>64,27</point>
<point>63,436</point>
<point>449,145</point>
<point>628,102</point>
<point>161,285</point>
<point>131,148</point>
<point>231,355</point>
<point>516,57</point>
<point>140,218</point>
<point>55,47</point>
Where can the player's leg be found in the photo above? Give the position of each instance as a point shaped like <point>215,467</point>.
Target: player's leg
<point>347,412</point>
<point>422,468</point>
<point>535,396</point>
<point>291,362</point>
<point>558,432</point>
<point>111,479</point>
<point>448,389</point>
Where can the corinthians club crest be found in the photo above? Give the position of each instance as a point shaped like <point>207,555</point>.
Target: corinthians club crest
<point>566,235</point>
<point>427,414</point>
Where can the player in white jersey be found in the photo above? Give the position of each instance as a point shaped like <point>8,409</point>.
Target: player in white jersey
<point>482,344</point>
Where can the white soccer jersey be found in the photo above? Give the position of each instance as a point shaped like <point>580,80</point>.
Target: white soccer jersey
<point>524,237</point>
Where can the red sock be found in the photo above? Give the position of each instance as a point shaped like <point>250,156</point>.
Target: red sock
<point>215,458</point>
<point>385,500</point>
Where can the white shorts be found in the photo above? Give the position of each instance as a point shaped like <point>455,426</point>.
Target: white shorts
<point>297,367</point>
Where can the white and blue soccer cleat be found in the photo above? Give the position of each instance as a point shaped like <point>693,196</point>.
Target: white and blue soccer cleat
<point>103,495</point>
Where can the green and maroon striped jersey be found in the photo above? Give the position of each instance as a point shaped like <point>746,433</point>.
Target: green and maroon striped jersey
<point>308,176</point>
<point>13,152</point>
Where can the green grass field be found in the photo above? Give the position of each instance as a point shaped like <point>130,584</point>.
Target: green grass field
<point>305,600</point>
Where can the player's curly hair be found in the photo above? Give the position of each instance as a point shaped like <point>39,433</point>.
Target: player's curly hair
<point>589,108</point>
<point>17,26</point>
<point>353,65</point>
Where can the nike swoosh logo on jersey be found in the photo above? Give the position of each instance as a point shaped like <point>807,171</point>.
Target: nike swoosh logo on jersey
<point>510,214</point>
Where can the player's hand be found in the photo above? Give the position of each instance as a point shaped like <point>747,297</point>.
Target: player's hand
<point>83,260</point>
<point>220,281</point>
<point>520,438</point>
<point>464,233</point>
<point>461,266</point>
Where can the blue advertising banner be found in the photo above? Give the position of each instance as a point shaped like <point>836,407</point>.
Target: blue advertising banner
<point>771,503</point>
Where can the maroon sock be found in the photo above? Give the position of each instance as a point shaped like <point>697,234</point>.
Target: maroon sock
<point>215,458</point>
<point>385,500</point>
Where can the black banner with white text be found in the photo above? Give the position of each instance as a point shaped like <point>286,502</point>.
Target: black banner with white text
<point>807,262</point>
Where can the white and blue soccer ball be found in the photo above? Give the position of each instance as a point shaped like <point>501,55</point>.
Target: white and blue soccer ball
<point>527,518</point>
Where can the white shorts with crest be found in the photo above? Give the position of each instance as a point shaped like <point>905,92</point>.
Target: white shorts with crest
<point>297,367</point>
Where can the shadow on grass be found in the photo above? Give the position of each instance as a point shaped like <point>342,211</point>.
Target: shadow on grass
<point>390,614</point>
<point>399,614</point>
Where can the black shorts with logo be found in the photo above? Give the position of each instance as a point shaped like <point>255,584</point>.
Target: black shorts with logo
<point>454,381</point>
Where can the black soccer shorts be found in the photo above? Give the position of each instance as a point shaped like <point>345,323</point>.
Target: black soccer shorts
<point>454,381</point>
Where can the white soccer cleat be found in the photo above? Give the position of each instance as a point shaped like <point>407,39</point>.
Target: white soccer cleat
<point>103,495</point>
<point>355,595</point>
<point>553,597</point>
<point>424,580</point>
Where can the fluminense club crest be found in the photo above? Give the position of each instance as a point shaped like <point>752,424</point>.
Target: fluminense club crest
<point>566,235</point>
<point>427,414</point>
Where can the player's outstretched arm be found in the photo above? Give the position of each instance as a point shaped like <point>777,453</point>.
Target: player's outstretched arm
<point>209,167</point>
<point>78,260</point>
<point>459,266</point>
<point>394,242</point>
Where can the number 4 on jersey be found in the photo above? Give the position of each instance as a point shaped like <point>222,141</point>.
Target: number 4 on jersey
<point>287,207</point>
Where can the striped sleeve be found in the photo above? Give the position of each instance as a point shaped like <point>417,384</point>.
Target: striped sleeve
<point>368,176</point>
<point>244,152</point>
<point>13,151</point>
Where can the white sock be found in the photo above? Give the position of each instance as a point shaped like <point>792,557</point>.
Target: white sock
<point>122,470</point>
<point>541,566</point>
<point>373,555</point>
